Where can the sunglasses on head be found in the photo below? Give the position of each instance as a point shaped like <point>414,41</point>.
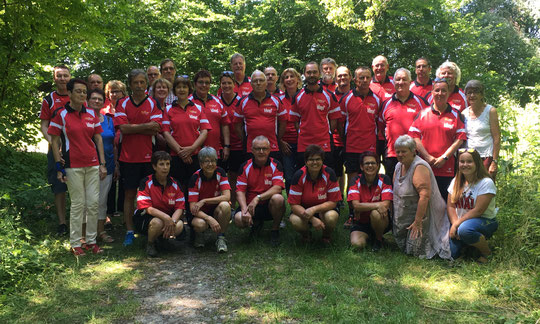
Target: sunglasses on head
<point>468,150</point>
<point>227,73</point>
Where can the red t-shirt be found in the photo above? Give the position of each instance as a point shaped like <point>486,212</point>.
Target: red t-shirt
<point>184,125</point>
<point>136,148</point>
<point>291,134</point>
<point>201,187</point>
<point>308,193</point>
<point>438,132</point>
<point>167,199</point>
<point>338,141</point>
<point>261,118</point>
<point>78,130</point>
<point>421,90</point>
<point>396,118</point>
<point>256,180</point>
<point>50,103</point>
<point>313,109</point>
<point>216,115</point>
<point>235,141</point>
<point>457,99</point>
<point>361,114</point>
<point>384,89</point>
<point>381,190</point>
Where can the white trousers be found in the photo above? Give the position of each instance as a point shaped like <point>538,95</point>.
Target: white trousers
<point>83,188</point>
<point>104,187</point>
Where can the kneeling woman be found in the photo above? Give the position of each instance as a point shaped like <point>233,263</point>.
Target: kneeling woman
<point>313,196</point>
<point>209,195</point>
<point>471,205</point>
<point>160,204</point>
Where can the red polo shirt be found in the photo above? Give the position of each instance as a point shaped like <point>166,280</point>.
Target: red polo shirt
<point>338,141</point>
<point>201,187</point>
<point>383,89</point>
<point>261,118</point>
<point>216,115</point>
<point>167,199</point>
<point>50,103</point>
<point>136,148</point>
<point>381,190</point>
<point>235,141</point>
<point>78,130</point>
<point>291,134</point>
<point>396,118</point>
<point>313,110</point>
<point>457,99</point>
<point>421,90</point>
<point>186,124</point>
<point>242,89</point>
<point>256,180</point>
<point>308,193</point>
<point>330,87</point>
<point>361,114</point>
<point>438,132</point>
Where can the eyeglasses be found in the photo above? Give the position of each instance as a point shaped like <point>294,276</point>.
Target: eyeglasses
<point>468,150</point>
<point>116,91</point>
<point>208,162</point>
<point>168,68</point>
<point>96,99</point>
<point>313,160</point>
<point>260,149</point>
<point>203,82</point>
<point>370,163</point>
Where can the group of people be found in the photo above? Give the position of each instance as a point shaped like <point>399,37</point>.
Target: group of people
<point>316,135</point>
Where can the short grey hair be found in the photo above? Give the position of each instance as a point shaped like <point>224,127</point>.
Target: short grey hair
<point>405,141</point>
<point>237,55</point>
<point>260,138</point>
<point>136,72</point>
<point>475,84</point>
<point>258,71</point>
<point>207,152</point>
<point>452,66</point>
<point>403,70</point>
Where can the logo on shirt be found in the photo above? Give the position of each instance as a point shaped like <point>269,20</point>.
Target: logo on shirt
<point>268,179</point>
<point>321,196</point>
<point>216,111</point>
<point>89,125</point>
<point>321,108</point>
<point>171,201</point>
<point>267,110</point>
<point>193,117</point>
<point>144,112</point>
<point>448,125</point>
<point>371,111</point>
<point>411,110</point>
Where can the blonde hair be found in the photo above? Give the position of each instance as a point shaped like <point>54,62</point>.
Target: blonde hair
<point>282,78</point>
<point>117,85</point>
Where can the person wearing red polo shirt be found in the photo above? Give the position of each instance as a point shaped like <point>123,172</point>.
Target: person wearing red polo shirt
<point>209,195</point>
<point>271,80</point>
<point>456,97</point>
<point>381,84</point>
<point>343,79</point>
<point>361,110</point>
<point>77,165</point>
<point>138,118</point>
<point>167,68</point>
<point>315,112</point>
<point>371,196</point>
<point>160,204</point>
<point>313,196</point>
<point>262,114</point>
<point>242,85</point>
<point>397,115</point>
<point>438,132</point>
<point>423,84</point>
<point>258,191</point>
<point>218,137</point>
<point>328,72</point>
<point>52,102</point>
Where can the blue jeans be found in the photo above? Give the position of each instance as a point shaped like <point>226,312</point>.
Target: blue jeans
<point>469,233</point>
<point>289,165</point>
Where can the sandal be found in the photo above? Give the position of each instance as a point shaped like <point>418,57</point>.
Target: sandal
<point>105,238</point>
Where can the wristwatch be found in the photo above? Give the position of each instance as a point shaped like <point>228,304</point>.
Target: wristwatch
<point>259,197</point>
<point>174,221</point>
<point>445,158</point>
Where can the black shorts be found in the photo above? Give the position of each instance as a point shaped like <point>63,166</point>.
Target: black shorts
<point>132,173</point>
<point>366,227</point>
<point>57,187</point>
<point>352,162</point>
<point>181,171</point>
<point>207,209</point>
<point>337,153</point>
<point>141,221</point>
<point>262,212</point>
<point>236,158</point>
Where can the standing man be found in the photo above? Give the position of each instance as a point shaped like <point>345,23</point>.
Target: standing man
<point>315,112</point>
<point>242,84</point>
<point>52,102</point>
<point>168,71</point>
<point>153,74</point>
<point>262,114</point>
<point>343,79</point>
<point>138,118</point>
<point>381,84</point>
<point>423,83</point>
<point>95,82</point>
<point>271,80</point>
<point>328,71</point>
<point>452,73</point>
<point>397,115</point>
<point>258,191</point>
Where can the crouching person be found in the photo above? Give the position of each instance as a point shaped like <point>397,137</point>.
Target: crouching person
<point>371,196</point>
<point>209,195</point>
<point>160,204</point>
<point>258,191</point>
<point>313,196</point>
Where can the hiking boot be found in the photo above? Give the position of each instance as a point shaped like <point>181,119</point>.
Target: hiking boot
<point>221,244</point>
<point>199,240</point>
<point>274,238</point>
<point>62,230</point>
<point>151,250</point>
<point>128,240</point>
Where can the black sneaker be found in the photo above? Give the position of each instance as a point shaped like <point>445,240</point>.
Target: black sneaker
<point>256,229</point>
<point>274,238</point>
<point>62,230</point>
<point>377,245</point>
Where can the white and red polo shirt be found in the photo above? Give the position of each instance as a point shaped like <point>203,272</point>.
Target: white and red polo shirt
<point>136,148</point>
<point>235,141</point>
<point>78,130</point>
<point>421,90</point>
<point>307,193</point>
<point>383,90</point>
<point>261,118</point>
<point>363,192</point>
<point>50,103</point>
<point>167,199</point>
<point>256,180</point>
<point>291,134</point>
<point>313,110</point>
<point>216,115</point>
<point>457,99</point>
<point>201,187</point>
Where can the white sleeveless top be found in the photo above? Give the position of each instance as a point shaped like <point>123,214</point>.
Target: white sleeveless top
<point>479,132</point>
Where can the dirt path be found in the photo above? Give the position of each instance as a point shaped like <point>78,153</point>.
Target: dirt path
<point>180,287</point>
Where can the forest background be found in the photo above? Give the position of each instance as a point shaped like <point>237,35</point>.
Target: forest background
<point>495,41</point>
